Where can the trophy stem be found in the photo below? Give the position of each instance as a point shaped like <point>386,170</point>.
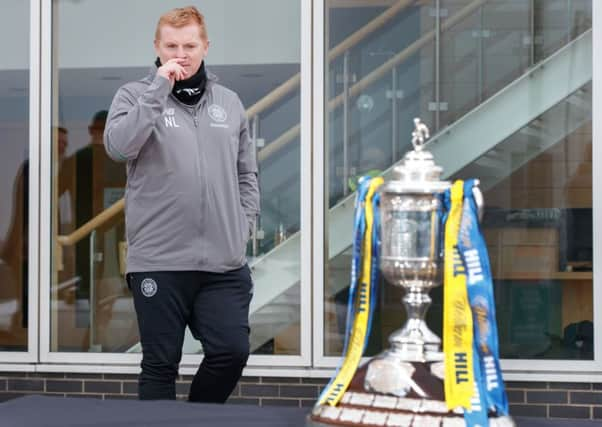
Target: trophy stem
<point>415,342</point>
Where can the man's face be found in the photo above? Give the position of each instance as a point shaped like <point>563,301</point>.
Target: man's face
<point>62,143</point>
<point>184,43</point>
<point>96,130</point>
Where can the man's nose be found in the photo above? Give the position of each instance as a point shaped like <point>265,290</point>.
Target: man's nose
<point>180,52</point>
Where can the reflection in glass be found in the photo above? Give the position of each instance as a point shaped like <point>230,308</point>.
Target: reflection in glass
<point>14,175</point>
<point>538,227</point>
<point>387,64</point>
<point>92,308</point>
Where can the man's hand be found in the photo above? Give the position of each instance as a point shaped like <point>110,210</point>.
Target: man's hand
<point>172,70</point>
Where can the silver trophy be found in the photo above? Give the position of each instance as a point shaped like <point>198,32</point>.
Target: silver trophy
<point>410,240</point>
<point>404,384</point>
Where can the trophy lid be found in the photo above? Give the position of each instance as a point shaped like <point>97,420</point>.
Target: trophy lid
<point>418,172</point>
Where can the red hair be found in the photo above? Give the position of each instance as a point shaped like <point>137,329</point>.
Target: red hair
<point>180,17</point>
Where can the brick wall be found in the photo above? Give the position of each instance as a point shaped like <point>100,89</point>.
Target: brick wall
<point>555,400</point>
<point>263,391</point>
<point>547,400</point>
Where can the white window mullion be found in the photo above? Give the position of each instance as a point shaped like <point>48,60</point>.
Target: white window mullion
<point>45,188</point>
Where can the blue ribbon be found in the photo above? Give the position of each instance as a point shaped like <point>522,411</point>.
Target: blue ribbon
<point>359,229</point>
<point>477,416</point>
<point>473,251</point>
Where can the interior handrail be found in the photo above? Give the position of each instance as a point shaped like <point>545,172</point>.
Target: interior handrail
<point>99,220</point>
<point>373,76</point>
<point>261,105</point>
<point>286,87</point>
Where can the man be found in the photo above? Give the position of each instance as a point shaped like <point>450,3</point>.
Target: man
<point>191,200</point>
<point>99,182</point>
<point>14,250</point>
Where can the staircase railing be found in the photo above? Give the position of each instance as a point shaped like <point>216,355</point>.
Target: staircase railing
<point>253,113</point>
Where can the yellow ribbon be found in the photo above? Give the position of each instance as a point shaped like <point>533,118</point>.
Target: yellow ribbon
<point>457,317</point>
<point>337,388</point>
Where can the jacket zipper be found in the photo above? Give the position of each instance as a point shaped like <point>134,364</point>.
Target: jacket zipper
<point>201,160</point>
<point>202,182</point>
<point>195,119</point>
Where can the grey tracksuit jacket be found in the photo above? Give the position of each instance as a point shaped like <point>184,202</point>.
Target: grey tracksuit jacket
<point>192,194</point>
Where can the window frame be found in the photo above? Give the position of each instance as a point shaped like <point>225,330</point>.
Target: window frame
<point>117,362</point>
<point>515,369</point>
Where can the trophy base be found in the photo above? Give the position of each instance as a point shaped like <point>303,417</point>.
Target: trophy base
<point>408,395</point>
